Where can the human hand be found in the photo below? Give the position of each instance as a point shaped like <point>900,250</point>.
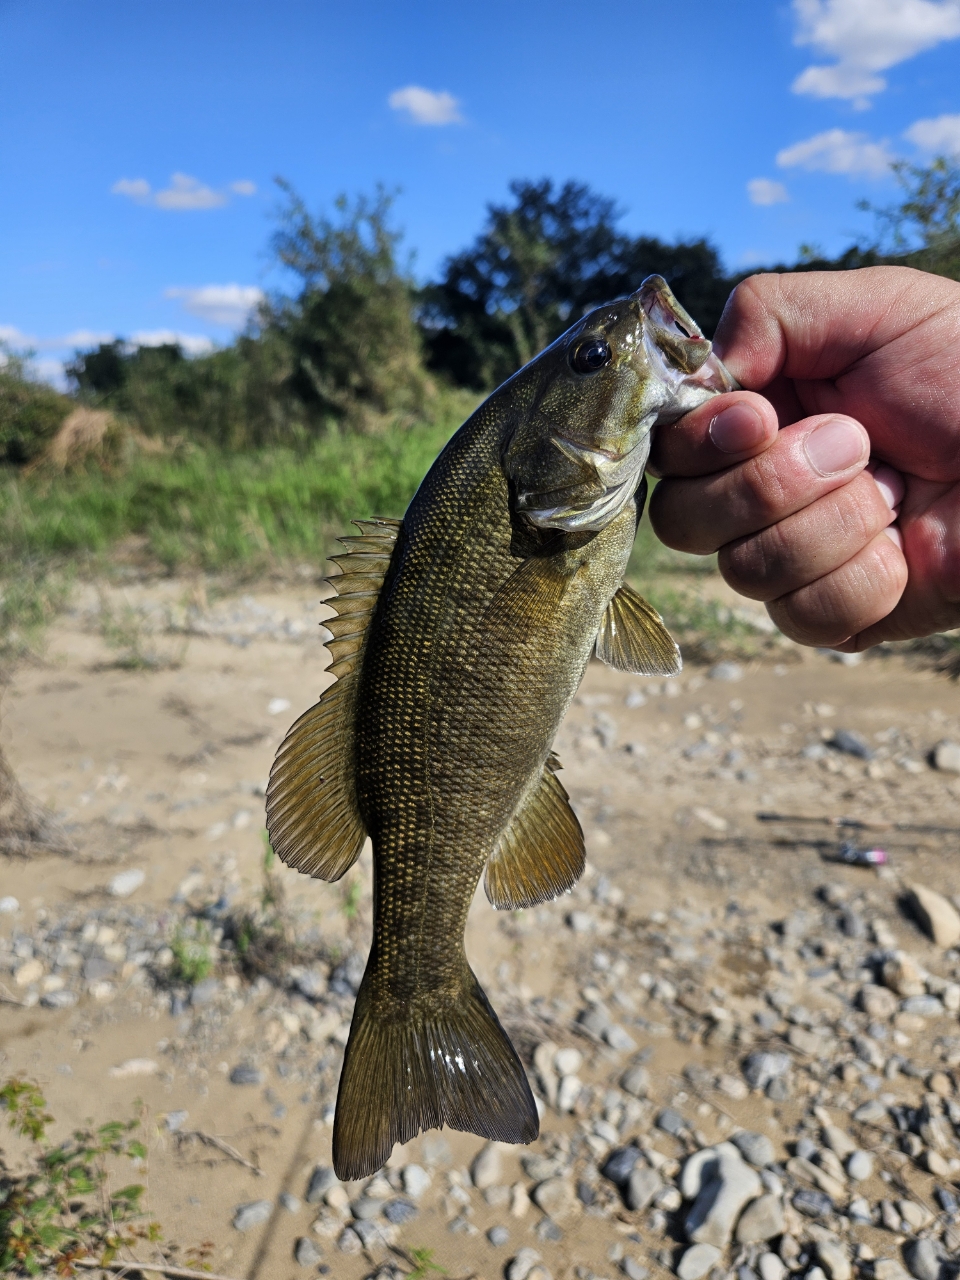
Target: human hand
<point>833,496</point>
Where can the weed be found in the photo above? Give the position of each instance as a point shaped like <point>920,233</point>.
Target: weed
<point>352,893</point>
<point>30,597</point>
<point>262,936</point>
<point>193,952</point>
<point>124,630</point>
<point>62,1208</point>
<point>422,1264</point>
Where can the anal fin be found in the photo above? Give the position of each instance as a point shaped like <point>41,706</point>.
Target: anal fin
<point>633,638</point>
<point>541,853</point>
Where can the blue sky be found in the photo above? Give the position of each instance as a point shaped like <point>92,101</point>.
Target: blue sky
<point>138,142</point>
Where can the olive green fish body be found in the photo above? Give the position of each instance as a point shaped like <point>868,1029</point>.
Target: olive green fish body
<point>461,637</point>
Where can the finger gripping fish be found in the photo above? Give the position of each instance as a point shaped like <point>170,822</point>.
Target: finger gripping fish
<point>461,636</point>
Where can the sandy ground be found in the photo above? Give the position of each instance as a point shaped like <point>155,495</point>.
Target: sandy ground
<point>163,770</point>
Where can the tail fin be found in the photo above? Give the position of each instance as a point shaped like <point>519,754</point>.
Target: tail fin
<point>401,1076</point>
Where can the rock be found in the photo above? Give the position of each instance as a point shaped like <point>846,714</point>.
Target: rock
<point>498,1236</point>
<point>519,1268</point>
<point>850,743</point>
<point>134,1067</point>
<point>671,1122</point>
<point>761,1220</point>
<point>755,1148</point>
<point>580,921</point>
<point>540,1272</point>
<point>809,1042</point>
<point>697,1172</point>
<point>254,1214</point>
<point>416,1180</point>
<point>595,1019</point>
<point>349,1242</point>
<point>643,1185</point>
<point>940,1084</point>
<point>913,1214</point>
<point>860,1166</point>
<point>311,983</point>
<point>570,1089</point>
<point>814,1204</point>
<point>838,1140</point>
<point>858,1211</point>
<point>59,999</point>
<point>938,918</point>
<point>871,1112</point>
<point>205,992</point>
<point>557,1198</point>
<point>365,1208</point>
<point>946,757</point>
<point>806,1171</point>
<point>727,1187</point>
<point>762,1067</point>
<point>126,882</point>
<point>770,1267</point>
<point>519,1200</point>
<point>902,974</point>
<point>636,1081</point>
<point>487,1167</point>
<point>9,905</point>
<point>306,1252</point>
<point>619,1164</point>
<point>246,1073</point>
<point>29,972</point>
<point>567,1062</point>
<point>729,671</point>
<point>732,1087</point>
<point>889,1269</point>
<point>291,1203</point>
<point>174,1121</point>
<point>632,1269</point>
<point>696,1262</point>
<point>617,1038</point>
<point>321,1180</point>
<point>834,1260</point>
<point>924,1259</point>
<point>937,1165</point>
<point>399,1211</point>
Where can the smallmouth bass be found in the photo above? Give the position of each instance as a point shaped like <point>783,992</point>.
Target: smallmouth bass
<point>461,636</point>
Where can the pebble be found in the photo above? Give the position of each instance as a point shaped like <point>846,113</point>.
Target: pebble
<point>175,1120</point>
<point>858,1210</point>
<point>860,1166</point>
<point>728,671</point>
<point>938,917</point>
<point>760,1069</point>
<point>754,1147</point>
<point>671,1122</point>
<point>580,921</point>
<point>834,1260</point>
<point>570,1089</point>
<point>877,1002</point>
<point>519,1267</point>
<point>871,1112</point>
<point>851,744</point>
<point>697,1261</point>
<point>632,1269</point>
<point>913,1214</point>
<point>619,1039</point>
<point>134,1067</point>
<point>246,1073</point>
<point>349,1242</point>
<point>619,1164</point>
<point>761,1220</point>
<point>728,1184</point>
<point>321,1180</point>
<point>568,1061</point>
<point>814,1204</point>
<point>487,1168</point>
<point>643,1186</point>
<point>946,756</point>
<point>205,992</point>
<point>400,1211</point>
<point>291,1203</point>
<point>27,973</point>
<point>771,1267</point>
<point>8,905</point>
<point>902,974</point>
<point>498,1236</point>
<point>124,883</point>
<point>557,1198</point>
<point>636,1081</point>
<point>254,1214</point>
<point>59,999</point>
<point>889,1269</point>
<point>416,1180</point>
<point>924,1259</point>
<point>365,1208</point>
<point>306,1253</point>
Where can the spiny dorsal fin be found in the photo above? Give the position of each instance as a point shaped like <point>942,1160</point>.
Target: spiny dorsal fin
<point>633,638</point>
<point>541,853</point>
<point>312,814</point>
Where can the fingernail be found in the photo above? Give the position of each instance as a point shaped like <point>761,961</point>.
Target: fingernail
<point>835,446</point>
<point>737,429</point>
<point>894,534</point>
<point>889,482</point>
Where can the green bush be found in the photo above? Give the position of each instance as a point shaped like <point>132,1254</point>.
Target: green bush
<point>31,413</point>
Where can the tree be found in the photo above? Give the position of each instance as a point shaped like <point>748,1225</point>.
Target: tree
<point>537,265</point>
<point>923,230</point>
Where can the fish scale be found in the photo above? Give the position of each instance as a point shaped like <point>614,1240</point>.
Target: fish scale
<point>464,634</point>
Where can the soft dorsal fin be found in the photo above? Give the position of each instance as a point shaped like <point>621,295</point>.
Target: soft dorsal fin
<point>541,853</point>
<point>633,638</point>
<point>312,814</point>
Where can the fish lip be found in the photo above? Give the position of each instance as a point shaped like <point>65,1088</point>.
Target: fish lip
<point>582,450</point>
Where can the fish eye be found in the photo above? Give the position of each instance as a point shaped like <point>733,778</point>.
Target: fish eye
<point>590,356</point>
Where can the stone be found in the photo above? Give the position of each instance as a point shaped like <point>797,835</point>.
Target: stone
<point>321,1180</point>
<point>937,916</point>
<point>937,1165</point>
<point>557,1198</point>
<point>922,1006</point>
<point>804,1041</point>
<point>889,1216</point>
<point>860,1166</point>
<point>539,1272</point>
<point>416,1180</point>
<point>619,1039</point>
<point>498,1236</point>
<point>580,921</point>
<point>814,1204</point>
<point>851,744</point>
<point>732,1087</point>
<point>871,1112</point>
<point>671,1122</point>
<point>519,1200</point>
<point>619,1164</point>
<point>59,999</point>
<point>134,1067</point>
<point>806,1171</point>
<point>246,1073</point>
<point>205,992</point>
<point>727,1187</point>
<point>519,1268</point>
<point>762,1067</point>
<point>771,1267</point>
<point>756,1148</point>
<point>858,1210</point>
<point>636,1081</point>
<point>838,1140</point>
<point>761,1220</point>
<point>29,972</point>
<point>306,1253</point>
<point>253,1214</point>
<point>567,1062</point>
<point>643,1186</point>
<point>487,1167</point>
<point>399,1211</point>
<point>889,1269</point>
<point>729,671</point>
<point>946,756</point>
<point>365,1208</point>
<point>291,1203</point>
<point>9,905</point>
<point>924,1259</point>
<point>913,1214</point>
<point>349,1242</point>
<point>570,1089</point>
<point>834,1260</point>
<point>126,882</point>
<point>697,1261</point>
<point>633,1269</point>
<point>902,974</point>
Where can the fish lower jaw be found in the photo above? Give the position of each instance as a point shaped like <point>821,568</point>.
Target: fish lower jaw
<point>588,517</point>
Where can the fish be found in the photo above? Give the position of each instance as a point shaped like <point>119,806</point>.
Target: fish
<point>461,635</point>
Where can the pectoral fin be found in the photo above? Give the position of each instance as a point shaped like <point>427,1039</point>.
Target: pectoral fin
<point>541,854</point>
<point>312,814</point>
<point>526,603</point>
<point>633,638</point>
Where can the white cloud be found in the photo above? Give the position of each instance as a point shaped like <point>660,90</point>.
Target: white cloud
<point>228,304</point>
<point>766,191</point>
<point>194,344</point>
<point>866,37</point>
<point>940,135</point>
<point>183,193</point>
<point>838,151</point>
<point>11,336</point>
<point>424,106</point>
<point>79,338</point>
